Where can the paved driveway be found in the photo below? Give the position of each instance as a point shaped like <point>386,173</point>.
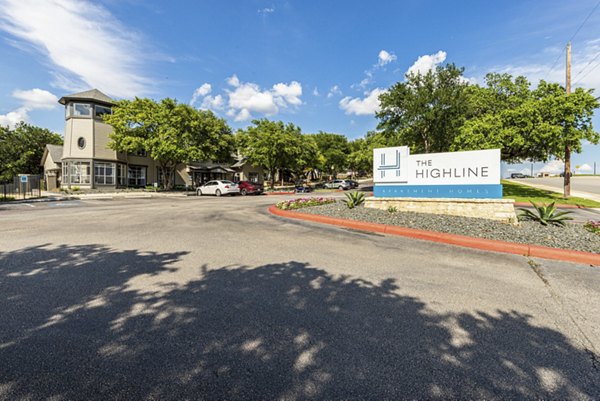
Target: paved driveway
<point>205,298</point>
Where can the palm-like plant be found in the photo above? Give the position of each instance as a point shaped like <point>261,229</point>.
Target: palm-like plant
<point>354,199</point>
<point>545,215</point>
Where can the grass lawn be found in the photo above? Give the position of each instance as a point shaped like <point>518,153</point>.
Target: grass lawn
<point>523,193</point>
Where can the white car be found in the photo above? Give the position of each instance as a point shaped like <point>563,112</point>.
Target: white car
<point>218,188</point>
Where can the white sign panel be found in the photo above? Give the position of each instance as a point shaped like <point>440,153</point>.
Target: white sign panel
<point>397,166</point>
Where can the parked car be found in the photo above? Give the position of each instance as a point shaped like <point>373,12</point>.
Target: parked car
<point>218,188</point>
<point>353,183</point>
<point>250,188</point>
<point>338,184</point>
<point>302,187</point>
<point>517,175</point>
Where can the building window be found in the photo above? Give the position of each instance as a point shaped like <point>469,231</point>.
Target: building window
<point>104,173</point>
<point>65,173</point>
<point>79,173</point>
<point>136,176</point>
<point>122,175</point>
<point>81,143</point>
<point>100,111</point>
<point>253,177</point>
<point>81,110</point>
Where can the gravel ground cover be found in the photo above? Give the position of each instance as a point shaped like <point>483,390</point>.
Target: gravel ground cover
<point>571,236</point>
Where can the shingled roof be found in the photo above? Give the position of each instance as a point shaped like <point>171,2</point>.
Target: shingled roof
<point>93,95</point>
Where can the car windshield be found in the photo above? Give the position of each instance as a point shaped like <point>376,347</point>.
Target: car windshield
<point>227,182</point>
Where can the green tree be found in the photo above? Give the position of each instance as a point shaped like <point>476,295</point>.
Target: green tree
<point>22,148</point>
<point>361,154</point>
<point>568,119</point>
<point>504,114</point>
<point>170,132</point>
<point>334,150</point>
<point>307,157</point>
<point>425,110</point>
<point>272,145</point>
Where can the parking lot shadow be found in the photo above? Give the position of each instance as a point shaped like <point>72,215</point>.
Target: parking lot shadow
<point>72,328</point>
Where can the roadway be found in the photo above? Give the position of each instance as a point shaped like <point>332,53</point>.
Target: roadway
<point>214,298</point>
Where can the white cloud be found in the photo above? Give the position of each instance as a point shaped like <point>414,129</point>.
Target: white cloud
<point>32,99</point>
<point>213,103</point>
<point>553,167</point>
<point>36,98</point>
<point>334,91</point>
<point>203,90</point>
<point>291,93</point>
<point>83,42</point>
<point>248,98</point>
<point>12,118</point>
<point>385,58</point>
<point>426,63</point>
<point>266,10</point>
<point>362,106</point>
<point>584,168</point>
<point>315,91</point>
<point>233,81</point>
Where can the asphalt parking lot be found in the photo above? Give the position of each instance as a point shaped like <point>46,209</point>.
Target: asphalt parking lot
<point>214,298</point>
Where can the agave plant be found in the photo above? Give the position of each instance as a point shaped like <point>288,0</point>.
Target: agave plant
<point>354,199</point>
<point>545,214</point>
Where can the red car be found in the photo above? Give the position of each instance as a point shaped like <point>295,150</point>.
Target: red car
<point>247,188</point>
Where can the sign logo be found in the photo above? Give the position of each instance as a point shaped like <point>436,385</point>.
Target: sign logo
<point>390,164</point>
<point>395,167</point>
<point>397,173</point>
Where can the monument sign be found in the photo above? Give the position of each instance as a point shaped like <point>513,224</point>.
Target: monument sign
<point>470,174</point>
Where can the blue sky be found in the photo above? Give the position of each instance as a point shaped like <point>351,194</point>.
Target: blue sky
<point>318,64</point>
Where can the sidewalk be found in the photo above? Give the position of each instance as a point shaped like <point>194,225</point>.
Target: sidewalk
<point>579,194</point>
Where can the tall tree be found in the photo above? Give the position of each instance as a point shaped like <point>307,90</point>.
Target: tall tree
<point>569,121</point>
<point>170,132</point>
<point>334,152</point>
<point>270,144</point>
<point>22,148</point>
<point>425,110</point>
<point>504,114</point>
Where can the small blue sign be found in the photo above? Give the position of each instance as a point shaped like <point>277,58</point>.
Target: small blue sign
<point>483,191</point>
<point>23,179</point>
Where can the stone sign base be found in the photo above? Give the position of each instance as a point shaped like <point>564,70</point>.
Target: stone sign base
<point>494,209</point>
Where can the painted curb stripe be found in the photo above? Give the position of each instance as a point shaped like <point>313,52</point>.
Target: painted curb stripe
<point>451,239</point>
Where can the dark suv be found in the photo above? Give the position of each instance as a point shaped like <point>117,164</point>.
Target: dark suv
<point>248,188</point>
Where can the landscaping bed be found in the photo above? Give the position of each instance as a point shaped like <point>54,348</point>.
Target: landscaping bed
<point>572,236</point>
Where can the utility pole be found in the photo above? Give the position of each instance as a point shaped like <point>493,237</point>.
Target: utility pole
<point>567,178</point>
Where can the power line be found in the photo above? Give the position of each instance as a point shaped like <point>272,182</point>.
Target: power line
<point>586,66</point>
<point>575,34</point>
<point>587,73</point>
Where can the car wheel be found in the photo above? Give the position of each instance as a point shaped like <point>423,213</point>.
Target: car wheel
<point>218,192</point>
<point>199,192</point>
<point>341,187</point>
<point>244,192</point>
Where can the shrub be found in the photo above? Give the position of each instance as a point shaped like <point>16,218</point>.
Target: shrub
<point>545,215</point>
<point>354,199</point>
<point>593,226</point>
<point>392,209</point>
<point>7,198</point>
<point>303,202</point>
<point>75,188</point>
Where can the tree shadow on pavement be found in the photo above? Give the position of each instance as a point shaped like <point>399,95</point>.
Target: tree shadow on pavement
<point>73,328</point>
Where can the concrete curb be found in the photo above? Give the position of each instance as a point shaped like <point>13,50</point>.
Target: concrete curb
<point>451,239</point>
<point>280,193</point>
<point>39,200</point>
